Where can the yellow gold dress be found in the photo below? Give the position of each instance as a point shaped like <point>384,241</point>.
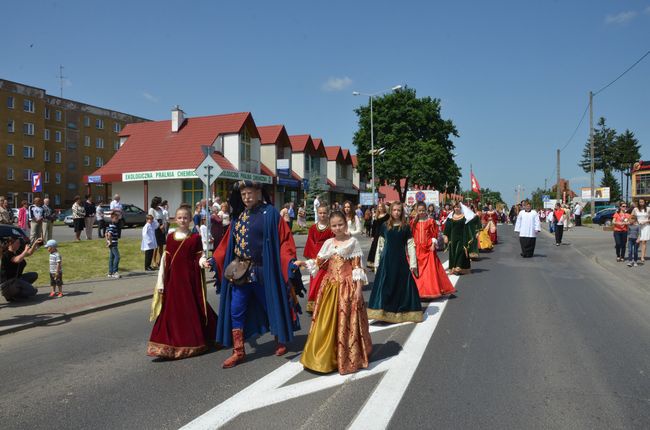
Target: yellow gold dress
<point>339,338</point>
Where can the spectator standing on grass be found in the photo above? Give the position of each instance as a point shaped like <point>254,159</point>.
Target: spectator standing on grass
<point>6,216</point>
<point>641,213</point>
<point>56,268</point>
<point>621,220</point>
<point>149,241</point>
<point>36,220</point>
<point>89,220</point>
<point>116,206</point>
<point>316,206</point>
<point>23,217</point>
<point>78,217</point>
<point>113,233</point>
<point>49,216</point>
<point>633,230</point>
<point>101,224</point>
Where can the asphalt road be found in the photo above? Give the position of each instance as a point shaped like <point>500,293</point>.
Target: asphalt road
<point>550,342</point>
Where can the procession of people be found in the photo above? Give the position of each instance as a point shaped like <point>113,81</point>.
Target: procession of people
<point>258,278</point>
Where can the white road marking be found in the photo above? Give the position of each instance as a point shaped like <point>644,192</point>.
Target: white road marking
<point>378,409</point>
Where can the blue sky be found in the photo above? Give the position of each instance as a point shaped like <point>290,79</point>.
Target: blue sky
<point>514,76</point>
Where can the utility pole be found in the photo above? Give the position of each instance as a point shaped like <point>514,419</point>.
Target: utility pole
<point>558,193</point>
<point>545,181</point>
<point>591,149</point>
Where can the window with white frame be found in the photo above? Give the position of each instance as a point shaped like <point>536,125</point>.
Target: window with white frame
<point>86,140</point>
<point>10,102</point>
<point>99,124</point>
<point>27,175</point>
<point>28,152</point>
<point>86,160</point>
<point>245,151</point>
<point>117,127</point>
<point>99,162</point>
<point>46,134</point>
<point>57,136</point>
<point>57,157</point>
<point>10,149</point>
<point>28,105</point>
<point>57,199</point>
<point>57,178</point>
<point>99,143</point>
<point>10,126</point>
<point>46,156</point>
<point>86,121</point>
<point>28,128</point>
<point>10,174</point>
<point>46,177</point>
<point>47,113</point>
<point>58,115</point>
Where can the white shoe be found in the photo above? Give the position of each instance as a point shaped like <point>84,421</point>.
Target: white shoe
<point>116,275</point>
<point>110,275</point>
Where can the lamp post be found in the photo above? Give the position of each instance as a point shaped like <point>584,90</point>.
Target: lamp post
<point>372,134</point>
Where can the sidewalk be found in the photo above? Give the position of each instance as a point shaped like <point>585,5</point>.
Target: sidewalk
<point>80,297</point>
<point>598,245</point>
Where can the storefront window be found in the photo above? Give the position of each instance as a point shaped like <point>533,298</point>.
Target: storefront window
<point>192,191</point>
<point>643,184</point>
<point>222,188</point>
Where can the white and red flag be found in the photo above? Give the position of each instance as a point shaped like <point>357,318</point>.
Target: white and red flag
<point>475,186</point>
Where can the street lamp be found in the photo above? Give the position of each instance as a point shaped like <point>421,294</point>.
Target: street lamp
<point>372,133</point>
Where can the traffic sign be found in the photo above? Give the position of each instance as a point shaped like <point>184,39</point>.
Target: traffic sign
<point>37,185</point>
<point>208,171</point>
<point>546,198</point>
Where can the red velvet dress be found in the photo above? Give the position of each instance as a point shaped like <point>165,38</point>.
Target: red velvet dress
<point>186,325</point>
<point>432,281</point>
<point>315,240</point>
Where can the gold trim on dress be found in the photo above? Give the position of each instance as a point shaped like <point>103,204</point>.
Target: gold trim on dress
<point>310,306</point>
<point>174,352</point>
<point>395,317</point>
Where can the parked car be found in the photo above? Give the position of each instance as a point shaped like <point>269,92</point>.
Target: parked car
<point>63,215</point>
<point>131,215</point>
<point>604,216</point>
<point>67,218</point>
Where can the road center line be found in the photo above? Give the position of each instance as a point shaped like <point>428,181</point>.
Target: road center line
<point>379,408</point>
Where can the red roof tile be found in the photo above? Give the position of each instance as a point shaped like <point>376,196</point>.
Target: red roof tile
<point>301,143</point>
<point>271,134</point>
<point>346,155</point>
<point>354,160</point>
<point>334,153</point>
<point>153,146</point>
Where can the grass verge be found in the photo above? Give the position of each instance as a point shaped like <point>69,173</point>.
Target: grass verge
<point>86,259</point>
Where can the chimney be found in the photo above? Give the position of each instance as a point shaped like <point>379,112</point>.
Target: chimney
<point>178,118</point>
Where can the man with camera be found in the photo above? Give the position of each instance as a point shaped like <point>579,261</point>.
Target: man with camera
<point>14,283</point>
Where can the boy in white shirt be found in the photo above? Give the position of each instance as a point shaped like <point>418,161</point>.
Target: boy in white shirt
<point>56,270</point>
<point>149,241</point>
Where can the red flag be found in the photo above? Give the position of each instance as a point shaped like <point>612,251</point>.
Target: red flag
<point>475,186</point>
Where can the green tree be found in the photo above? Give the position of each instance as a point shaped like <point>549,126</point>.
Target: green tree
<point>627,151</point>
<point>316,188</point>
<point>412,142</point>
<point>609,180</point>
<point>604,148</point>
<point>537,199</point>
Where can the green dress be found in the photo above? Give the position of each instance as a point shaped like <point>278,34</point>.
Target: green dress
<point>394,296</point>
<point>460,241</point>
<point>474,227</point>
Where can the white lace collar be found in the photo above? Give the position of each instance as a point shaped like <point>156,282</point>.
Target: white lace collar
<point>347,250</point>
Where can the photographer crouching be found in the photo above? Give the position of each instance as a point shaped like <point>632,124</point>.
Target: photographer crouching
<point>14,283</point>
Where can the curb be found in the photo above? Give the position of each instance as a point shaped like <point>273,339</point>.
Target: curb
<point>87,309</point>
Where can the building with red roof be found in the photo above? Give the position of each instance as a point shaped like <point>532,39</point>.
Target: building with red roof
<point>276,153</point>
<point>158,158</point>
<point>339,174</point>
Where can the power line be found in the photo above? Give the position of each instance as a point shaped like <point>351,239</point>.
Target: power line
<point>622,74</point>
<point>577,127</point>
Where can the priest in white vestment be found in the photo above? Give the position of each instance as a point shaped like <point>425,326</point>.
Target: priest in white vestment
<point>527,226</point>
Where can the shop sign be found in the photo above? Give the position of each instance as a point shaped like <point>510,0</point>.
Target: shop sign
<point>157,175</point>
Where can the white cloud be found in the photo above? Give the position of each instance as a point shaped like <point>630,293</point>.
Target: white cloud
<point>621,18</point>
<point>150,97</point>
<point>337,84</point>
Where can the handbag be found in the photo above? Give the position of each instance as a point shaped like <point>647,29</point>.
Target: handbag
<point>237,272</point>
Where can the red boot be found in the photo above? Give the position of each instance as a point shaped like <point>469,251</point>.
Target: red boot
<point>280,348</point>
<point>238,353</point>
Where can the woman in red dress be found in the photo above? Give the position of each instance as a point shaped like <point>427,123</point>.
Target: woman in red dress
<point>432,280</point>
<point>492,228</point>
<point>318,234</point>
<point>185,323</point>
